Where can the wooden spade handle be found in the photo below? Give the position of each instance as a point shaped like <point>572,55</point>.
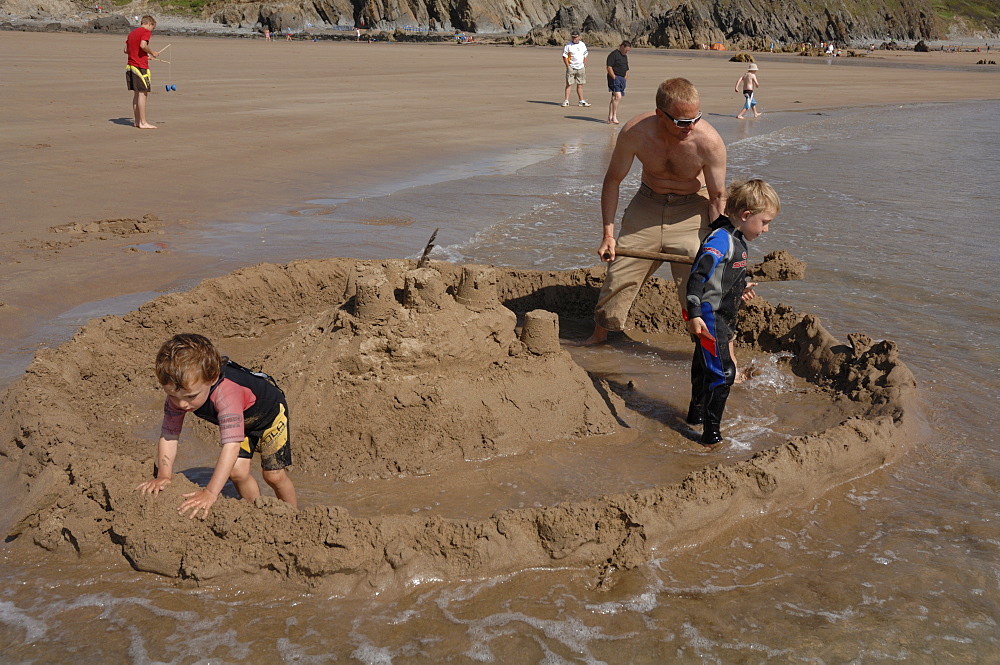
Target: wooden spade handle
<point>677,258</point>
<point>652,256</point>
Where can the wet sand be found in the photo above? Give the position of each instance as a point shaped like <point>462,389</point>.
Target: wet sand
<point>256,126</point>
<point>399,372</point>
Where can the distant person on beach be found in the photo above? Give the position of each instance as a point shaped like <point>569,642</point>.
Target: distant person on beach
<point>617,64</point>
<point>267,34</point>
<point>715,291</point>
<point>288,34</point>
<point>138,78</point>
<point>575,58</point>
<point>748,84</point>
<point>682,189</point>
<point>248,407</point>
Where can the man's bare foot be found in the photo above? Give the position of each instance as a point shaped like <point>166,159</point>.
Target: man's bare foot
<point>599,336</point>
<point>145,126</point>
<point>739,117</point>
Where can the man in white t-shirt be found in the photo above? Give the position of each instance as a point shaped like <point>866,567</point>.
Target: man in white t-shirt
<point>575,58</point>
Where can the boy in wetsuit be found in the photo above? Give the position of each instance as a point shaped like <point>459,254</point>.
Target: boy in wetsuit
<point>248,407</point>
<point>716,289</point>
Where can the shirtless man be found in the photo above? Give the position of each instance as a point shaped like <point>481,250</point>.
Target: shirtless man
<point>683,190</point>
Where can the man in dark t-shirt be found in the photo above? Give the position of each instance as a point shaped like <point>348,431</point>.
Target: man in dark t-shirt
<point>617,75</point>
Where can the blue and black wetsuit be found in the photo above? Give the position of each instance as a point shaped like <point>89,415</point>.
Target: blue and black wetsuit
<point>714,292</point>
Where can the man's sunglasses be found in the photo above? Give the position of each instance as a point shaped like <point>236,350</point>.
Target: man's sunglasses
<point>683,123</point>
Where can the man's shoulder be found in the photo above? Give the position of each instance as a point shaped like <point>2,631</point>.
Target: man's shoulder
<point>709,137</point>
<point>639,131</point>
<point>644,122</point>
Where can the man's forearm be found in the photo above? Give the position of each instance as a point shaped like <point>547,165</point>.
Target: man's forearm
<point>716,205</point>
<point>609,207</point>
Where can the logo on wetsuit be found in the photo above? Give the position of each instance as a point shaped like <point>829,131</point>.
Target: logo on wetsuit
<point>276,436</point>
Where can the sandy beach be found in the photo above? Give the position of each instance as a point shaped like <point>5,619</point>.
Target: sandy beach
<point>257,126</point>
<point>472,484</point>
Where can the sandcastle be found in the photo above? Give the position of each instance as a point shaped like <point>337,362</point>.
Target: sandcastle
<point>392,370</point>
<point>427,377</point>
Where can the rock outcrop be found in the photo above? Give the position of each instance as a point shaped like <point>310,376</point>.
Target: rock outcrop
<point>739,23</point>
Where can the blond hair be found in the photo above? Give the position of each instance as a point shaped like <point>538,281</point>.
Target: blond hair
<point>753,195</point>
<point>187,358</point>
<point>676,90</point>
<point>148,20</point>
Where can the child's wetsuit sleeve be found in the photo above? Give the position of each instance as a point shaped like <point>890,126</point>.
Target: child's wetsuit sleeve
<point>173,421</point>
<point>231,400</point>
<point>710,255</point>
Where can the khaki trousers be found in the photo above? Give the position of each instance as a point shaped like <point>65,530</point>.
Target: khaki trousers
<point>671,223</point>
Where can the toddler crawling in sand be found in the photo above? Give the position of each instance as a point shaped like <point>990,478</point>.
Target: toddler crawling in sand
<point>248,407</point>
<point>715,291</point>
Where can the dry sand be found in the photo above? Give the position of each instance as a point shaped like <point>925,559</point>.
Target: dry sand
<point>439,366</point>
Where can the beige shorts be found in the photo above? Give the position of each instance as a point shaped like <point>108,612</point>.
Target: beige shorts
<point>670,223</point>
<point>574,76</point>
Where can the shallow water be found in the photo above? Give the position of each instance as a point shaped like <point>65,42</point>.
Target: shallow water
<point>893,210</point>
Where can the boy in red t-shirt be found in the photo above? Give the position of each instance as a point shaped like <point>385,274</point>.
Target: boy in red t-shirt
<point>137,76</point>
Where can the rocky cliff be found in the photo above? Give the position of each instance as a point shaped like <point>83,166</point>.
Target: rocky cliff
<point>665,23</point>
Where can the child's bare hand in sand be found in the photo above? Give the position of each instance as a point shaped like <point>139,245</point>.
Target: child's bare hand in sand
<point>748,292</point>
<point>200,500</point>
<point>154,486</point>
